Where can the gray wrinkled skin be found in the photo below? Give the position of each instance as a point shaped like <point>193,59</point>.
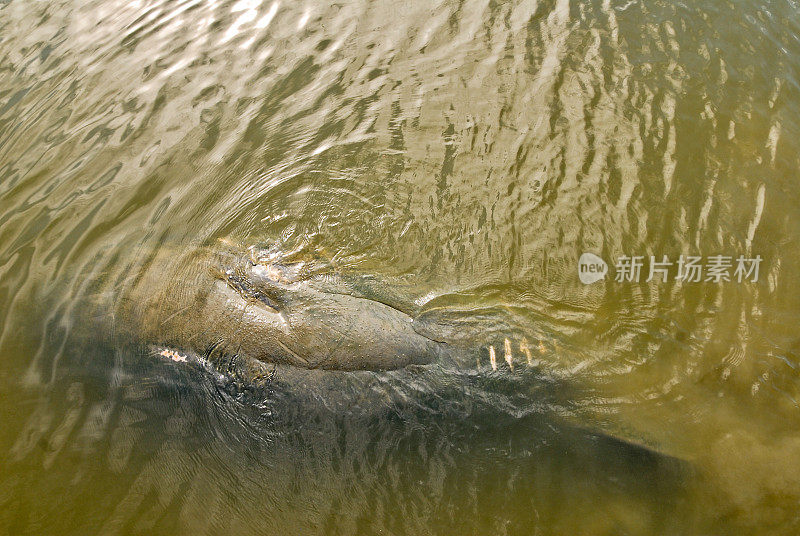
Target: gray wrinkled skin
<point>229,302</point>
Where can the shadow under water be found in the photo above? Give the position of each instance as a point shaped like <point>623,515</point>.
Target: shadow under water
<point>177,447</point>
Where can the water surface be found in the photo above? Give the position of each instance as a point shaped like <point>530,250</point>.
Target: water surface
<point>473,150</point>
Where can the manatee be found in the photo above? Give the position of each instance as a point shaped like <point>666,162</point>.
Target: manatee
<point>326,332</point>
<point>269,310</point>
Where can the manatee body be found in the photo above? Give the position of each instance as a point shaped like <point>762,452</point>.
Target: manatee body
<point>227,301</point>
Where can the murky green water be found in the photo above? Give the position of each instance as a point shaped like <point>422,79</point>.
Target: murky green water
<point>473,150</point>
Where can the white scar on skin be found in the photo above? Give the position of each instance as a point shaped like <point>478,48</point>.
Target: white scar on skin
<point>492,358</point>
<point>175,356</point>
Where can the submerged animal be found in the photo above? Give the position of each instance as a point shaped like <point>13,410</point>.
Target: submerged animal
<point>270,311</point>
<point>263,308</point>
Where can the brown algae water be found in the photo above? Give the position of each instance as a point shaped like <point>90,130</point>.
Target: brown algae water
<point>472,152</point>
